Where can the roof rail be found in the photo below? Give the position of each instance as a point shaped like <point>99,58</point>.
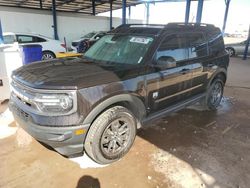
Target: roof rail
<point>171,24</point>
<point>141,25</point>
<point>189,24</point>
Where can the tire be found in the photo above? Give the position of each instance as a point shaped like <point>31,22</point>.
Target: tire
<point>83,47</point>
<point>48,55</point>
<point>230,51</point>
<point>214,94</point>
<point>111,135</point>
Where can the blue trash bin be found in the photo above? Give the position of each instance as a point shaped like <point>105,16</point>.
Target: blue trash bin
<point>31,53</point>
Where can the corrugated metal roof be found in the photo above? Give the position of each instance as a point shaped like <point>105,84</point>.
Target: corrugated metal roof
<point>80,6</point>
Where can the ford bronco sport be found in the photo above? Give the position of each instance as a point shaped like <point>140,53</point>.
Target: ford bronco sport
<point>134,74</point>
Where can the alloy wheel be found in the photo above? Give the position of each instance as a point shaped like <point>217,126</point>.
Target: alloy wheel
<point>216,94</point>
<point>115,137</point>
<point>47,56</point>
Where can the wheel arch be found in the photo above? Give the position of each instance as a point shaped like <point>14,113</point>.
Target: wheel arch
<point>49,52</point>
<point>131,102</point>
<point>222,73</point>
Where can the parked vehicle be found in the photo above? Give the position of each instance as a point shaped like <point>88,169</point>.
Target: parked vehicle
<point>236,48</point>
<point>84,43</point>
<point>49,46</point>
<point>130,77</point>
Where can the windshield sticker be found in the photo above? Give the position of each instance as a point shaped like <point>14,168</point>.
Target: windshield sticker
<point>140,40</point>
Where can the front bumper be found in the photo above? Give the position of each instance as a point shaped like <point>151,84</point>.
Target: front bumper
<point>66,140</point>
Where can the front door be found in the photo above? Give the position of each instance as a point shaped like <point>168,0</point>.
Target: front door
<point>171,74</point>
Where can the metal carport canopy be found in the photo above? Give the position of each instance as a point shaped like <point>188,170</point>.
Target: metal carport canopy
<point>93,7</point>
<point>77,6</point>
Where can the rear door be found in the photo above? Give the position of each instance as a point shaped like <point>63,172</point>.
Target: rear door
<point>167,85</point>
<point>198,59</point>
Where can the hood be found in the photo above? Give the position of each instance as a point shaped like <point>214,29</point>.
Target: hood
<point>71,73</point>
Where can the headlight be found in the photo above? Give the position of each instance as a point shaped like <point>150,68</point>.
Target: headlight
<point>54,103</point>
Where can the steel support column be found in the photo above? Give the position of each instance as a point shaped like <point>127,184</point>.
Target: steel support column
<point>188,5</point>
<point>1,33</point>
<point>147,14</point>
<point>129,12</point>
<point>247,46</point>
<point>124,4</point>
<point>93,7</point>
<point>225,15</point>
<point>54,19</point>
<point>111,15</point>
<point>41,4</point>
<point>199,11</point>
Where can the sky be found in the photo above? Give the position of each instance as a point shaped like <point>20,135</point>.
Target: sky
<point>213,12</point>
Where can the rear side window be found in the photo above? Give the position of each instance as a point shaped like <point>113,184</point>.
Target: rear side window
<point>25,39</point>
<point>196,45</point>
<point>8,39</point>
<point>173,47</point>
<point>39,39</point>
<point>215,42</point>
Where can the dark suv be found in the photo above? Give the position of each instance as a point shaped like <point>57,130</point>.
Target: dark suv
<point>131,76</point>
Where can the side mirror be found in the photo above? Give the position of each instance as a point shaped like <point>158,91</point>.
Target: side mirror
<point>165,62</point>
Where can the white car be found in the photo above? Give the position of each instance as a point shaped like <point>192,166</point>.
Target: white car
<point>49,46</point>
<point>235,49</point>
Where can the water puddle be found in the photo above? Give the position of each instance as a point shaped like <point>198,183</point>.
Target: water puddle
<point>226,105</point>
<point>86,162</point>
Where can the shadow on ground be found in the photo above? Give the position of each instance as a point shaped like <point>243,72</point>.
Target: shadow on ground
<point>88,182</point>
<point>203,148</point>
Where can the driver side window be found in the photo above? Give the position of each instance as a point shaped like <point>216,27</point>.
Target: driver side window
<point>172,49</point>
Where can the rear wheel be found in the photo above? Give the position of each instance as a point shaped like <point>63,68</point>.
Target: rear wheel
<point>111,135</point>
<point>214,94</point>
<point>231,52</point>
<point>48,55</point>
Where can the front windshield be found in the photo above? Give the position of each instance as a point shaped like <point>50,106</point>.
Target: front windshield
<point>89,35</point>
<point>124,49</point>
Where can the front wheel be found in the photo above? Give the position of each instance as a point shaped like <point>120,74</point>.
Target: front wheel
<point>214,94</point>
<point>111,135</point>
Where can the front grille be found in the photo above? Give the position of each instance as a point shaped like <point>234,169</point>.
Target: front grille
<point>23,94</point>
<point>19,112</point>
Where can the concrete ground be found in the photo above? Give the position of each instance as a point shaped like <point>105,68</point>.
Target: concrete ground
<point>188,149</point>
